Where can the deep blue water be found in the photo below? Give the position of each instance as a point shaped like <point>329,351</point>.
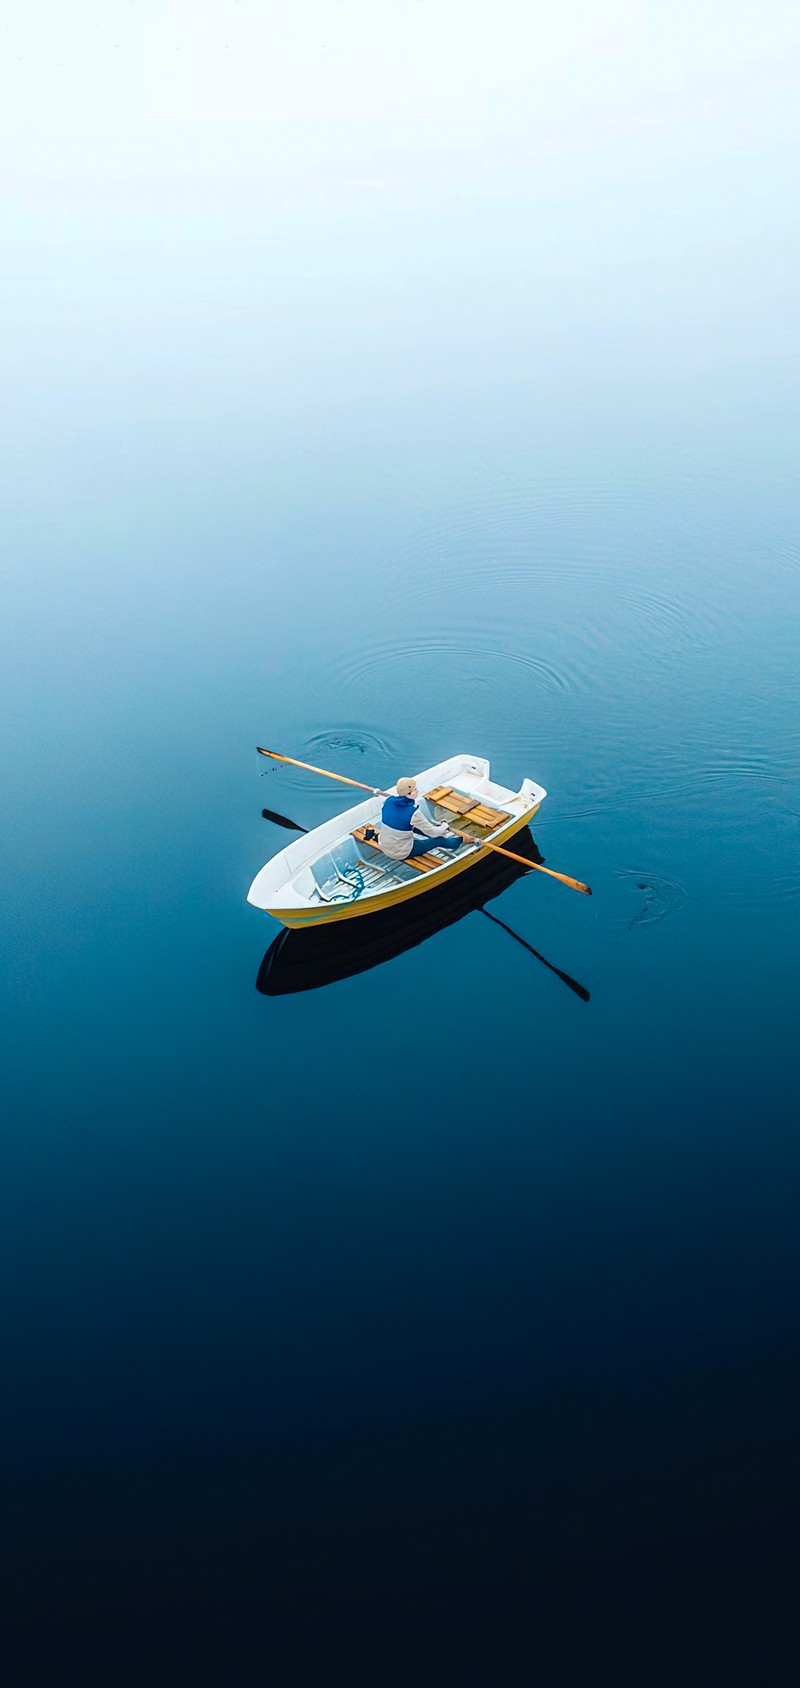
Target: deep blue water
<point>433,1326</point>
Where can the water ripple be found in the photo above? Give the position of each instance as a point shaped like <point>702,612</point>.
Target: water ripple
<point>685,617</point>
<point>615,785</point>
<point>760,888</point>
<point>341,748</point>
<point>657,896</point>
<point>570,564</point>
<point>788,556</point>
<point>349,740</point>
<point>364,670</point>
<point>639,898</point>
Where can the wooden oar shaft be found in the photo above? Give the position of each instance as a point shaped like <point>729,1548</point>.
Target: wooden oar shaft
<point>500,850</point>
<point>310,769</point>
<point>375,792</point>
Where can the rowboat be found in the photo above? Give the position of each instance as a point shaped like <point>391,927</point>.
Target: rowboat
<point>338,872</point>
<point>304,961</point>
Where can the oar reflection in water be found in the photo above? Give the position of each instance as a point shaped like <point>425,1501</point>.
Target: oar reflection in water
<point>299,961</point>
<point>580,990</point>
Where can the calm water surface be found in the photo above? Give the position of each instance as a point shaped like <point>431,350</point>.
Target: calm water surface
<point>434,1326</point>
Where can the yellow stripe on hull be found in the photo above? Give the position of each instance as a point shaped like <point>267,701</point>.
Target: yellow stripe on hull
<point>325,916</point>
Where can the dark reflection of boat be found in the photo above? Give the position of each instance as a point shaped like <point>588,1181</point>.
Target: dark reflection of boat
<point>301,961</point>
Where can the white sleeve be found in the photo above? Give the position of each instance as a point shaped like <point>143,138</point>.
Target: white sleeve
<point>431,829</point>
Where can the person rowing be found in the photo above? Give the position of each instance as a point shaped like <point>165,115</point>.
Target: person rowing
<point>405,831</point>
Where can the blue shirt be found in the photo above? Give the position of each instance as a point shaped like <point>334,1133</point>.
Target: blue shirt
<point>397,812</point>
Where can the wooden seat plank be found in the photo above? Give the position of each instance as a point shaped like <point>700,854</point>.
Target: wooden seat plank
<point>421,864</point>
<point>457,805</point>
<point>478,813</point>
<point>472,808</point>
<point>487,817</point>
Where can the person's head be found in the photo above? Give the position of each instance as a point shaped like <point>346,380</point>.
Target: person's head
<point>406,787</point>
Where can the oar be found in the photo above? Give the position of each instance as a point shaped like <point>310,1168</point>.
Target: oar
<point>282,820</point>
<point>580,990</point>
<point>310,769</point>
<point>501,850</point>
<point>483,843</point>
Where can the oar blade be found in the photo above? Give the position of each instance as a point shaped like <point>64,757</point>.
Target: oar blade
<point>282,820</point>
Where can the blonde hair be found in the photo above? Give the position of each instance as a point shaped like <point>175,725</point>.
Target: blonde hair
<point>405,786</point>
